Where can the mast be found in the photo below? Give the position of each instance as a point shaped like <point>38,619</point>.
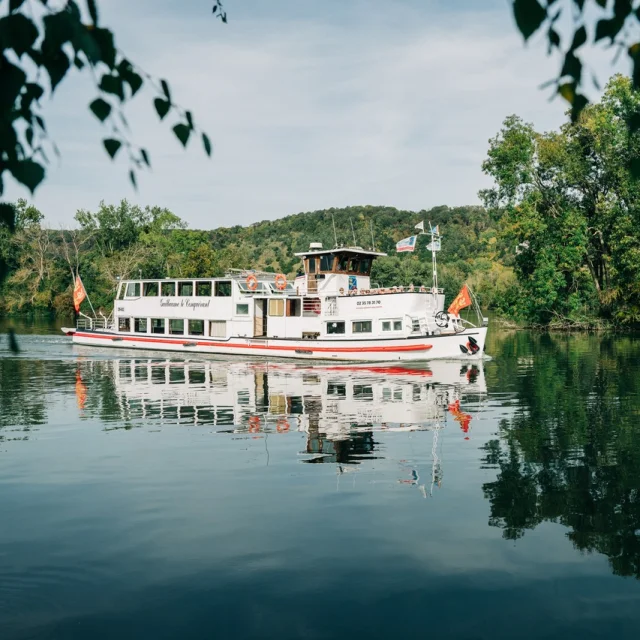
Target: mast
<point>435,247</point>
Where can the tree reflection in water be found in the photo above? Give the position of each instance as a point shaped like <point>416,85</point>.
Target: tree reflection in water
<point>571,452</point>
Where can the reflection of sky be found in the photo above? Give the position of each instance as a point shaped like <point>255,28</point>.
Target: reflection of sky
<point>162,529</point>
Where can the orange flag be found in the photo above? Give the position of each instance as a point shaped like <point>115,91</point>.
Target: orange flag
<point>463,299</point>
<point>79,294</point>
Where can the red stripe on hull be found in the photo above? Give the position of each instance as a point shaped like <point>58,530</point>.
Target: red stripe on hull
<point>227,345</point>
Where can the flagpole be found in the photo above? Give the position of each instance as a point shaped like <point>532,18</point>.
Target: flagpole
<point>88,299</point>
<point>434,261</point>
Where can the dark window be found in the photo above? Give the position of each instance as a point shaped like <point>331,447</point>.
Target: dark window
<point>168,288</point>
<point>326,262</point>
<point>337,389</point>
<point>386,325</point>
<point>124,324</point>
<point>196,327</point>
<point>343,263</point>
<point>313,264</point>
<point>141,373</point>
<point>158,375</point>
<point>150,289</point>
<point>176,375</point>
<point>197,376</point>
<point>203,289</point>
<point>362,392</point>
<point>353,265</point>
<point>293,306</point>
<point>157,325</point>
<point>397,325</point>
<point>223,289</point>
<point>140,325</point>
<point>362,326</point>
<point>176,327</point>
<point>242,309</point>
<point>185,288</point>
<point>335,327</point>
<point>365,266</point>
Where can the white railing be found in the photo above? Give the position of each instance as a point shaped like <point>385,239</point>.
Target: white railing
<point>93,324</point>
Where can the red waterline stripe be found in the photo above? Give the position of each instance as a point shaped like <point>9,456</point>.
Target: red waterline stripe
<point>412,347</point>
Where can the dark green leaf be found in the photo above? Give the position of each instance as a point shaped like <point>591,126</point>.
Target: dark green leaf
<point>27,172</point>
<point>7,215</point>
<point>17,32</point>
<point>77,61</point>
<point>207,144</point>
<point>29,136</point>
<point>579,38</point>
<point>580,4</point>
<point>554,38</point>
<point>133,79</point>
<point>101,109</point>
<point>12,80</point>
<point>182,132</point>
<point>112,145</point>
<point>602,3</point>
<point>104,38</point>
<point>132,177</point>
<point>189,119</point>
<point>112,84</point>
<point>59,28</point>
<point>145,157</point>
<point>529,15</point>
<point>57,65</point>
<point>162,107</point>
<point>572,67</point>
<point>622,9</point>
<point>14,5</point>
<point>93,11</point>
<point>165,88</point>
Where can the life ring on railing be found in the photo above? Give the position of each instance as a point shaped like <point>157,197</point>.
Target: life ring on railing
<point>252,282</point>
<point>281,281</point>
<point>254,424</point>
<point>282,425</point>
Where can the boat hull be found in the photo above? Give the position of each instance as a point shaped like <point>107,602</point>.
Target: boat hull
<point>366,350</point>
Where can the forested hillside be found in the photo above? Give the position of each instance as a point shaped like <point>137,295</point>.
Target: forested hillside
<point>120,241</point>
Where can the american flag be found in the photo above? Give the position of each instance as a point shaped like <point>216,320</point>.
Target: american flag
<point>406,244</point>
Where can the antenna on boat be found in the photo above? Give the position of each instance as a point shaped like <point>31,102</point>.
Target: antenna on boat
<point>434,245</point>
<point>355,242</point>
<point>335,235</point>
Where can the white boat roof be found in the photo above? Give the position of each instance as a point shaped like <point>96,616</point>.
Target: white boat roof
<point>356,250</point>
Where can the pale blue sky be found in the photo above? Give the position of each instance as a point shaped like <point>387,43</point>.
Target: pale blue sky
<point>308,104</point>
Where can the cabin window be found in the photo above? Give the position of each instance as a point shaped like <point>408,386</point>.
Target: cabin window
<point>218,329</point>
<point>365,266</point>
<point>326,262</point>
<point>313,264</point>
<point>140,325</point>
<point>177,375</point>
<point>176,327</point>
<point>392,325</point>
<point>353,265</point>
<point>311,307</point>
<point>242,309</point>
<point>185,288</point>
<point>343,263</point>
<point>157,325</point>
<point>168,289</point>
<point>335,327</point>
<point>203,289</point>
<point>196,327</point>
<point>276,308</point>
<point>362,392</point>
<point>133,290</point>
<point>362,326</point>
<point>293,306</point>
<point>150,289</point>
<point>124,324</point>
<point>223,289</point>
<point>337,389</point>
<point>197,376</point>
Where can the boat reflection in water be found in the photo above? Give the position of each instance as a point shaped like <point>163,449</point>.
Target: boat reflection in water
<point>340,408</point>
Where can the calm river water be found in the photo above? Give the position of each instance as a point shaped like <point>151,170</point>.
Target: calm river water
<point>145,496</point>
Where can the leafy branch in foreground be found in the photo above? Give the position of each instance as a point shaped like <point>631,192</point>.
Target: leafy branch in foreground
<point>49,41</point>
<point>614,22</point>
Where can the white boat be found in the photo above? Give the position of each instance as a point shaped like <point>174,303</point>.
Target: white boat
<point>330,311</point>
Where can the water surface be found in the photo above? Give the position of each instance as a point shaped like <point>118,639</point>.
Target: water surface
<point>146,496</point>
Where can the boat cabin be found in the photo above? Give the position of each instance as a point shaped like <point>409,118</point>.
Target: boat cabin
<point>333,298</point>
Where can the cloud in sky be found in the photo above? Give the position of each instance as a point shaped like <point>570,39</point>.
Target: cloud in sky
<point>308,105</point>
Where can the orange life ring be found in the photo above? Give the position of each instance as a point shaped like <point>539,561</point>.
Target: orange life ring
<point>282,425</point>
<point>281,281</point>
<point>254,424</point>
<point>252,282</point>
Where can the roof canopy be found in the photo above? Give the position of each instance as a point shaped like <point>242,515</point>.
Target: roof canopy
<point>359,251</point>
